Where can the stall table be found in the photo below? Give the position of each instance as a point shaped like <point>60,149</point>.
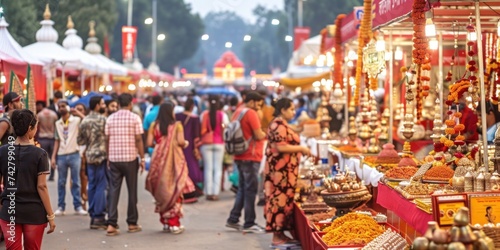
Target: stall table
<point>402,213</point>
<point>305,233</point>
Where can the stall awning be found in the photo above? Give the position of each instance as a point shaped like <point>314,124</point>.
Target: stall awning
<point>387,12</point>
<point>305,82</point>
<point>445,12</point>
<point>350,25</point>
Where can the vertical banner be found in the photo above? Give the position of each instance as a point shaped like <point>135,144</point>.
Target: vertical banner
<point>300,34</point>
<point>129,39</point>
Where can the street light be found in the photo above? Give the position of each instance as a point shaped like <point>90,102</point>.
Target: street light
<point>161,37</point>
<point>247,38</point>
<point>229,45</point>
<point>154,66</point>
<point>205,37</point>
<point>275,22</point>
<point>288,38</point>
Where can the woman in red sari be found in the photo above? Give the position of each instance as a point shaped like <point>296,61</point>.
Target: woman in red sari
<point>283,156</point>
<point>168,174</point>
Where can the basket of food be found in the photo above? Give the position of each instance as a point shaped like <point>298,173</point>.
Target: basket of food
<point>346,200</point>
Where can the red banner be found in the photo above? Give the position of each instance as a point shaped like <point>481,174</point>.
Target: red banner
<point>129,39</point>
<point>350,24</point>
<point>388,11</point>
<point>300,34</point>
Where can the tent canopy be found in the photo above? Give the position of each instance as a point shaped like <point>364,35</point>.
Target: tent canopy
<point>85,100</point>
<point>10,49</point>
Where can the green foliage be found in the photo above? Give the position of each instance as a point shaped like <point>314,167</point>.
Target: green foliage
<point>222,27</point>
<point>319,13</point>
<point>23,20</point>
<point>24,17</point>
<point>181,28</point>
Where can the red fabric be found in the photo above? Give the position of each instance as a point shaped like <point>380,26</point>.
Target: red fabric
<point>31,235</point>
<point>469,120</point>
<point>174,221</point>
<point>21,69</point>
<point>303,232</point>
<point>407,211</point>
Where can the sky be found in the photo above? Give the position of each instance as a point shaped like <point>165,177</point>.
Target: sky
<point>241,7</point>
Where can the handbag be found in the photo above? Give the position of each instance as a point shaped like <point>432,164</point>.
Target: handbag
<point>208,137</point>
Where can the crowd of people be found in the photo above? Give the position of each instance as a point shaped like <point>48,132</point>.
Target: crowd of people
<point>103,142</point>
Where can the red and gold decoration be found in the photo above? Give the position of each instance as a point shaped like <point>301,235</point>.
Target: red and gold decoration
<point>420,55</point>
<point>338,78</point>
<point>365,35</point>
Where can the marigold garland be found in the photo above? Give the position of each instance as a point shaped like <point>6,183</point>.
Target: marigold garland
<point>420,54</point>
<point>364,37</point>
<point>337,67</point>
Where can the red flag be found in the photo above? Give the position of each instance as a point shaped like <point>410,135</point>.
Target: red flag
<point>106,46</point>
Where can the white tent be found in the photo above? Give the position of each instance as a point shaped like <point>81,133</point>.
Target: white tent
<point>10,49</point>
<point>49,52</point>
<point>74,44</point>
<point>46,48</point>
<point>95,50</point>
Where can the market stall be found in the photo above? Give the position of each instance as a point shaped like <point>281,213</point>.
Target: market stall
<point>450,183</point>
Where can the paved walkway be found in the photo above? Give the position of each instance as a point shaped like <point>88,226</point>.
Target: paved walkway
<point>204,222</point>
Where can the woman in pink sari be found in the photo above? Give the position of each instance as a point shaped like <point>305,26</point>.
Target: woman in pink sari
<point>168,175</point>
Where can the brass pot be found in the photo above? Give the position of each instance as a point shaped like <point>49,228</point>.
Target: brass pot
<point>462,217</point>
<point>420,243</point>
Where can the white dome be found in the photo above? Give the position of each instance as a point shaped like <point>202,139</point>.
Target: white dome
<point>3,23</point>
<point>72,40</point>
<point>92,46</point>
<point>47,33</point>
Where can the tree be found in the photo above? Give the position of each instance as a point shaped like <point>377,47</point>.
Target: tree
<point>319,13</point>
<point>270,50</point>
<point>24,17</point>
<point>181,28</point>
<point>222,27</point>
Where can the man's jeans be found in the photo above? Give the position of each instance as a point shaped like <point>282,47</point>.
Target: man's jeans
<point>98,183</point>
<point>70,162</point>
<point>247,191</point>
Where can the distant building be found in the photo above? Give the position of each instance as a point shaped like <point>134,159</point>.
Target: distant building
<point>229,68</point>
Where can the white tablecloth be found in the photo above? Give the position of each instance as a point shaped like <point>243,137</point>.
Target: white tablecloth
<point>364,172</point>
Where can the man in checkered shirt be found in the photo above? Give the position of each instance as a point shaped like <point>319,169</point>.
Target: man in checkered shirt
<point>124,141</point>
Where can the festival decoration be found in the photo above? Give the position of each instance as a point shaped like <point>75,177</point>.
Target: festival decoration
<point>364,37</point>
<point>15,84</point>
<point>420,54</point>
<point>338,78</point>
<point>30,101</point>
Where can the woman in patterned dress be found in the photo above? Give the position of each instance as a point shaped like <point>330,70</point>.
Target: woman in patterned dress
<point>168,175</point>
<point>283,155</point>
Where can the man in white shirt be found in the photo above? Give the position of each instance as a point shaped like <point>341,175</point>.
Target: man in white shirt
<point>66,156</point>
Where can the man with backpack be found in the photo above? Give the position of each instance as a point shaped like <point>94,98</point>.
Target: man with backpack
<point>247,155</point>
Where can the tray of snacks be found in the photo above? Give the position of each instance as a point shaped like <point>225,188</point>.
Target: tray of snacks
<point>424,204</point>
<point>319,217</point>
<point>436,180</point>
<point>400,173</point>
<point>352,230</point>
<point>438,172</point>
<point>417,190</point>
<point>390,239</point>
